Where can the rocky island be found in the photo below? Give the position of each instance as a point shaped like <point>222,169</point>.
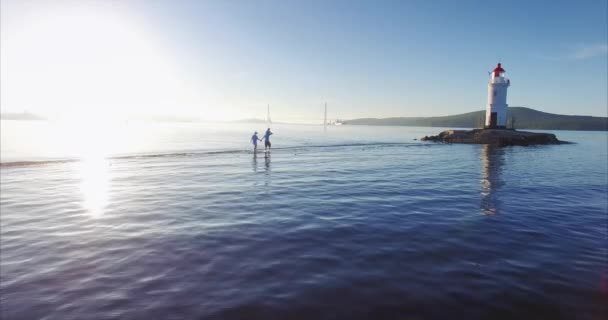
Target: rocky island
<point>500,137</point>
<point>495,130</point>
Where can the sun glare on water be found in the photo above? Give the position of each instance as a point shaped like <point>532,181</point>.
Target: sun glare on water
<point>94,177</point>
<point>91,143</point>
<point>87,67</point>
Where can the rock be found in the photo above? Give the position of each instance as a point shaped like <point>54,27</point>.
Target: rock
<point>501,137</point>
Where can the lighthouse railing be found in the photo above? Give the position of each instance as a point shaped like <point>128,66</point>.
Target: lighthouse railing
<point>499,80</point>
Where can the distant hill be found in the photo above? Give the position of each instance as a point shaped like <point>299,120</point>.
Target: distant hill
<point>21,116</point>
<point>250,120</point>
<point>525,118</point>
<point>257,121</point>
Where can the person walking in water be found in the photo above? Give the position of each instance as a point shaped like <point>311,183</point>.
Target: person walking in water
<point>267,140</point>
<point>254,140</point>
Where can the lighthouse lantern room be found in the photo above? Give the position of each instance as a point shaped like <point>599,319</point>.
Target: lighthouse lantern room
<point>496,110</point>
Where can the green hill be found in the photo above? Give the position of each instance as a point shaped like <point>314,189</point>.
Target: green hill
<point>525,118</point>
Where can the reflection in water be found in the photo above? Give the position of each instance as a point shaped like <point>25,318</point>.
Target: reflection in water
<point>94,186</point>
<point>267,176</point>
<point>267,162</point>
<point>492,158</point>
<point>254,163</point>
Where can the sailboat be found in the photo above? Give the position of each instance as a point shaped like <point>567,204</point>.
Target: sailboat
<point>325,116</point>
<point>268,121</point>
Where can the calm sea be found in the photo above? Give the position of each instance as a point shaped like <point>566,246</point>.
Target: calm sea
<point>183,221</point>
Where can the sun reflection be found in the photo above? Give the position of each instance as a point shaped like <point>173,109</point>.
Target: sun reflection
<point>91,142</point>
<point>93,145</point>
<point>94,184</point>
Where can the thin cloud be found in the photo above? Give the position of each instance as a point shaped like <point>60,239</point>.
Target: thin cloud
<point>590,51</point>
<point>581,52</point>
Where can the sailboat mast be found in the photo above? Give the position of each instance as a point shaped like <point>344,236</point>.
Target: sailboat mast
<point>325,117</point>
<point>268,116</point>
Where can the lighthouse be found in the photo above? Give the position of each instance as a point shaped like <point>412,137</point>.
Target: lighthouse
<point>496,118</point>
<point>496,110</point>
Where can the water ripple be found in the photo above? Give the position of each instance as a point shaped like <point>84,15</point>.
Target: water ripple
<point>355,231</point>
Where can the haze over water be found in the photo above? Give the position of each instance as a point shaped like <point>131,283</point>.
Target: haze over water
<point>108,218</point>
<point>183,221</point>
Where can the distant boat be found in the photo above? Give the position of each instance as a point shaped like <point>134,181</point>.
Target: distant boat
<point>336,122</point>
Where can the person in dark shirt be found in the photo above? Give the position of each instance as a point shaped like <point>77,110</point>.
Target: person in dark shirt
<point>266,138</point>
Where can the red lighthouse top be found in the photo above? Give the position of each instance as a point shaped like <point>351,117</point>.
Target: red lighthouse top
<point>498,70</point>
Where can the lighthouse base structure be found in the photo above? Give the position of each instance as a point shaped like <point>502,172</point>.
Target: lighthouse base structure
<point>500,137</point>
<point>496,127</point>
<point>496,117</point>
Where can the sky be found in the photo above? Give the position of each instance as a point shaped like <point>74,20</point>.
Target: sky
<point>227,60</point>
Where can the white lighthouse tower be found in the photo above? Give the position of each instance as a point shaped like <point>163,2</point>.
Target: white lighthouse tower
<point>496,110</point>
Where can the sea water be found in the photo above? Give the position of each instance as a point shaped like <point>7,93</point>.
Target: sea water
<point>184,221</point>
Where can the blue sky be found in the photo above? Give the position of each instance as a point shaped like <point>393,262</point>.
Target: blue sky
<point>364,58</point>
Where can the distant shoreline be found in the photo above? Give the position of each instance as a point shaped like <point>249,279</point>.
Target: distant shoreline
<point>523,118</point>
<point>21,116</point>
